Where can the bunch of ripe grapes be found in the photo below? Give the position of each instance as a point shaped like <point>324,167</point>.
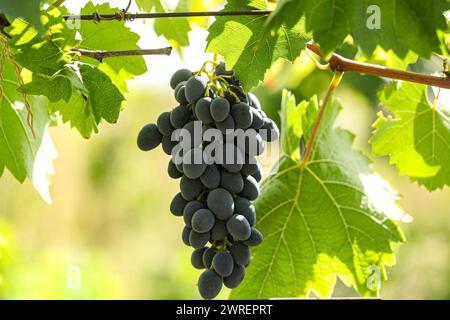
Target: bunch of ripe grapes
<point>213,137</point>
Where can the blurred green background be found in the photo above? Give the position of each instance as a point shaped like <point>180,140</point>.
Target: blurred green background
<point>109,233</point>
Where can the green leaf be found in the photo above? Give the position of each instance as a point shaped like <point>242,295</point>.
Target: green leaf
<point>405,24</point>
<point>24,155</point>
<point>416,136</point>
<point>76,112</point>
<point>330,217</point>
<point>30,10</point>
<point>104,98</point>
<point>175,30</point>
<point>37,53</point>
<point>113,35</point>
<point>55,87</point>
<point>247,49</point>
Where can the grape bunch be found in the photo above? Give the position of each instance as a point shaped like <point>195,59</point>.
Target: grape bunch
<point>214,137</point>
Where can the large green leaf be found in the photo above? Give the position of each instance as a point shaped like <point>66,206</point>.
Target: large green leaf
<point>330,217</point>
<point>405,24</point>
<point>111,35</point>
<point>416,134</point>
<point>246,48</point>
<point>24,155</point>
<point>27,9</point>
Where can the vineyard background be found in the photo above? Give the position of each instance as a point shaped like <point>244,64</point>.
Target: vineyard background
<point>110,216</point>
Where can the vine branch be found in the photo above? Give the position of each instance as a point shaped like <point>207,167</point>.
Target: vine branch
<point>341,64</point>
<point>100,55</point>
<point>123,15</point>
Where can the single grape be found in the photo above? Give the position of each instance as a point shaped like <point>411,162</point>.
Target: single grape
<point>149,137</point>
<point>239,227</point>
<point>233,92</point>
<point>203,221</point>
<point>244,207</point>
<point>177,205</point>
<point>257,175</point>
<point>189,210</point>
<point>185,235</point>
<point>195,88</point>
<point>250,166</point>
<point>240,253</point>
<point>255,238</point>
<point>221,203</point>
<point>180,94</point>
<point>209,284</point>
<point>192,132</point>
<point>190,188</point>
<point>180,116</point>
<point>202,110</point>
<point>193,164</point>
<point>223,263</point>
<point>231,158</point>
<point>220,109</point>
<point>208,257</point>
<point>242,115</point>
<point>198,240</point>
<point>211,177</point>
<point>164,125</point>
<point>235,278</point>
<point>226,125</point>
<point>197,258</point>
<point>271,131</point>
<point>173,171</point>
<point>179,76</point>
<point>251,189</point>
<point>252,143</point>
<point>219,231</point>
<point>232,182</point>
<point>257,119</point>
<point>168,145</point>
<point>253,100</point>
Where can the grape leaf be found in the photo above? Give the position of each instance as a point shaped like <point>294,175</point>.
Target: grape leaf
<point>246,48</point>
<point>330,217</point>
<point>76,112</point>
<point>175,30</point>
<point>404,25</point>
<point>416,136</point>
<point>113,35</point>
<point>23,154</point>
<point>30,10</point>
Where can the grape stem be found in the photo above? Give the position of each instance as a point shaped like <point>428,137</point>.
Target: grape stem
<point>341,64</point>
<point>331,88</point>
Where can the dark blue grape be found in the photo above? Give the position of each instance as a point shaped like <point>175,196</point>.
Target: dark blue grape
<point>239,227</point>
<point>209,284</point>
<point>203,221</point>
<point>255,238</point>
<point>223,263</point>
<point>221,203</point>
<point>177,205</point>
<point>179,76</point>
<point>197,258</point>
<point>149,137</point>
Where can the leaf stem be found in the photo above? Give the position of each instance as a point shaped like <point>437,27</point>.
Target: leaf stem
<point>331,88</point>
<point>339,63</point>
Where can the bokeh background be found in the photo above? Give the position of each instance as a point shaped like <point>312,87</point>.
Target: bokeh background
<point>109,225</point>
